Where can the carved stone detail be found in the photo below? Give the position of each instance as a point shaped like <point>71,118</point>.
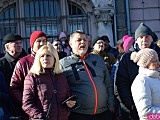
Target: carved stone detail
<point>103,3</point>
<point>103,10</point>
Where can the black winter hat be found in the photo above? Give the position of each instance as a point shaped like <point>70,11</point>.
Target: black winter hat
<point>96,39</point>
<point>105,38</point>
<point>11,38</point>
<point>142,30</point>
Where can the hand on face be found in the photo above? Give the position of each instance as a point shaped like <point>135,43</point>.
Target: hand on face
<point>14,48</point>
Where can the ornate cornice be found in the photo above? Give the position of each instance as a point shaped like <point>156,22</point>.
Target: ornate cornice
<point>103,10</point>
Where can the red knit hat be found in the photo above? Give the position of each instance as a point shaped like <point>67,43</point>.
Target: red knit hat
<point>36,34</point>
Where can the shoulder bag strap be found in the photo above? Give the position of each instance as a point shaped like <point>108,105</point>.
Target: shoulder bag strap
<point>52,99</point>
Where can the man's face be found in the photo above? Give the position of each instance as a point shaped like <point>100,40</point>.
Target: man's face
<point>99,45</point>
<point>15,47</point>
<point>39,43</point>
<point>144,41</point>
<point>79,44</point>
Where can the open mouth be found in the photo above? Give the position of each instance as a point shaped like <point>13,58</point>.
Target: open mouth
<point>82,47</point>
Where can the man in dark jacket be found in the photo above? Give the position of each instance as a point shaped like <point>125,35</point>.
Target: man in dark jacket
<point>37,39</point>
<point>128,70</point>
<point>13,47</point>
<point>88,78</point>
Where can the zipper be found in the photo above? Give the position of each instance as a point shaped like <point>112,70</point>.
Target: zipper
<point>94,86</point>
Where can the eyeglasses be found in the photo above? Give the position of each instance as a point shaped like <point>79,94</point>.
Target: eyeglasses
<point>100,43</point>
<point>57,44</point>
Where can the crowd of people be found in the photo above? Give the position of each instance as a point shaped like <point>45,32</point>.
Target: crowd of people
<point>79,78</point>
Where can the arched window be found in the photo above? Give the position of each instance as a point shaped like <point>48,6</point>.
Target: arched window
<point>77,18</point>
<point>42,15</point>
<point>7,21</point>
<point>50,16</point>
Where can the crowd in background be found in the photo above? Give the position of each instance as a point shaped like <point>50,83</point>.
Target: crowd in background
<point>79,78</point>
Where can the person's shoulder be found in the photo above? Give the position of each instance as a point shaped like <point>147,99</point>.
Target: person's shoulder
<point>3,61</point>
<point>94,55</point>
<point>26,58</point>
<point>65,58</point>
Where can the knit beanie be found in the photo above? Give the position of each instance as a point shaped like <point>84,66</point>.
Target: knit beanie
<point>127,42</point>
<point>142,30</point>
<point>61,35</point>
<point>96,39</point>
<point>36,34</point>
<point>144,57</point>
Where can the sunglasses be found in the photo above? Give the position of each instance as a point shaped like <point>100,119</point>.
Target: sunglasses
<point>57,44</point>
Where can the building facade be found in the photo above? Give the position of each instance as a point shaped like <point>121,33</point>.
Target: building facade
<point>113,18</point>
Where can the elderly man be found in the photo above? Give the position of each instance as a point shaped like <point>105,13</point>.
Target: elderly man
<point>89,80</point>
<point>13,47</point>
<point>37,39</point>
<point>128,70</point>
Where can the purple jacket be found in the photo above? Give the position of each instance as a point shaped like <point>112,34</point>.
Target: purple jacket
<point>17,82</point>
<point>38,90</point>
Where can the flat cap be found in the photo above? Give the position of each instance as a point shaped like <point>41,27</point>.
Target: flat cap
<point>11,38</point>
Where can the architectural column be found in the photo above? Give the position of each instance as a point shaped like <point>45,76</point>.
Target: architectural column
<point>103,14</point>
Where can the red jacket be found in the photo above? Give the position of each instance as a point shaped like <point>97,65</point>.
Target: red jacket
<point>17,82</point>
<point>38,90</point>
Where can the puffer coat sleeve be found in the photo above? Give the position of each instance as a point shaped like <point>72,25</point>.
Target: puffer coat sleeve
<point>29,98</point>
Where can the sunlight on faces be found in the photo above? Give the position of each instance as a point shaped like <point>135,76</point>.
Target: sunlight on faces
<point>14,47</point>
<point>57,45</point>
<point>79,44</point>
<point>144,41</point>
<point>154,65</point>
<point>39,43</point>
<point>47,59</point>
<point>99,45</point>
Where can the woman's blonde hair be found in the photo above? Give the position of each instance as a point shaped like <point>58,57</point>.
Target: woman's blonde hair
<point>37,67</point>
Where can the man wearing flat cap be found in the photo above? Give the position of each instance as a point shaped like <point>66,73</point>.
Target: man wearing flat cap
<point>13,48</point>
<point>128,70</point>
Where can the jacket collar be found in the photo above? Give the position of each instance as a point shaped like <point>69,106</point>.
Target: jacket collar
<point>9,57</point>
<point>149,73</point>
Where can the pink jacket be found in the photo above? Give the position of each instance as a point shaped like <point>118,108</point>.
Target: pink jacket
<point>38,90</point>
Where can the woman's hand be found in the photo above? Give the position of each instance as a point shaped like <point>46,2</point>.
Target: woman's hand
<point>70,103</point>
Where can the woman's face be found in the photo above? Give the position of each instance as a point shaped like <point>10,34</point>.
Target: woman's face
<point>154,65</point>
<point>46,59</point>
<point>57,45</point>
